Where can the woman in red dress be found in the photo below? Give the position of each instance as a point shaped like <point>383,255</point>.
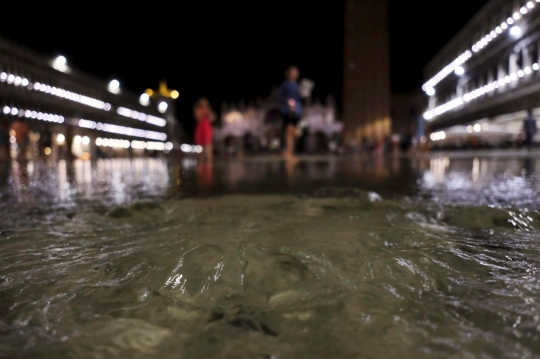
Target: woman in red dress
<point>203,130</point>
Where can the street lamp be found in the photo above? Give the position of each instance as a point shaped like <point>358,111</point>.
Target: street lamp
<point>60,64</point>
<point>144,99</point>
<point>515,31</point>
<point>162,107</point>
<point>114,87</point>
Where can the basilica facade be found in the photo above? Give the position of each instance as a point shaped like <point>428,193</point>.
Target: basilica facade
<point>257,128</point>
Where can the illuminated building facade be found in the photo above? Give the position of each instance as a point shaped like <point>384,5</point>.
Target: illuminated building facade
<point>483,81</point>
<point>78,110</point>
<point>258,127</point>
<point>366,78</point>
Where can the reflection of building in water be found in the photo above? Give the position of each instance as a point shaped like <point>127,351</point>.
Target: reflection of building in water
<point>437,170</point>
<point>258,127</point>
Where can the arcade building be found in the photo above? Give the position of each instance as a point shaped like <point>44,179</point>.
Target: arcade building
<point>480,85</point>
<point>49,109</point>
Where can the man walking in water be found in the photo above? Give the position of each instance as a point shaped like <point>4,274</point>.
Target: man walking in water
<point>530,129</point>
<point>291,108</point>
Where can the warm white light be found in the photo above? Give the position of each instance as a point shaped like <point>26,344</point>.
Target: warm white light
<point>430,91</point>
<point>504,26</point>
<point>459,70</point>
<point>523,10</point>
<point>169,146</point>
<point>477,128</point>
<point>530,4</point>
<point>197,149</point>
<point>122,130</point>
<point>507,79</point>
<point>61,60</point>
<point>509,21</point>
<point>162,107</point>
<point>485,126</point>
<point>60,138</point>
<point>515,31</point>
<point>77,139</point>
<point>516,16</point>
<point>99,141</point>
<point>158,121</point>
<point>114,87</point>
<point>144,99</point>
<point>469,129</point>
<point>527,70</point>
<point>85,140</point>
<point>60,64</point>
<point>521,73</point>
<point>498,30</point>
<point>437,136</point>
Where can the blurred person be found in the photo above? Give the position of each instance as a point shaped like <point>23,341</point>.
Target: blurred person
<point>203,130</point>
<point>4,141</point>
<point>406,141</point>
<point>69,144</point>
<point>530,128</point>
<point>21,136</point>
<point>45,140</point>
<point>291,109</point>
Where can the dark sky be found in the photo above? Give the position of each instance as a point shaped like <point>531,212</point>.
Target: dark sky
<point>229,51</point>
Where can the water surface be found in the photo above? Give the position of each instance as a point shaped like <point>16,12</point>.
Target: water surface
<point>342,258</point>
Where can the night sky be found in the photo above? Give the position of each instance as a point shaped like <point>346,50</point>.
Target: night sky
<point>230,51</point>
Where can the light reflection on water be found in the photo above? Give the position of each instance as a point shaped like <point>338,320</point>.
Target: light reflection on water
<point>137,258</point>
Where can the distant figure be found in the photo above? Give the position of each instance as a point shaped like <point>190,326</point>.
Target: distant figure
<point>4,141</point>
<point>420,130</point>
<point>45,141</point>
<point>530,129</point>
<point>203,130</point>
<point>291,108</point>
<point>21,135</point>
<point>406,141</point>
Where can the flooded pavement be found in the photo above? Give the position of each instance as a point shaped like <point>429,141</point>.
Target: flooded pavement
<point>332,258</point>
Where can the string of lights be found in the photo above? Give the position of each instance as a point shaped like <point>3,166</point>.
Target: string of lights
<point>429,86</point>
<point>439,110</point>
<point>140,145</point>
<point>32,114</point>
<point>122,130</point>
<point>68,95</point>
<point>106,127</point>
<point>126,112</point>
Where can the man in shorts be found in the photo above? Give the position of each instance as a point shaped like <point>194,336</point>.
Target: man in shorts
<point>291,109</point>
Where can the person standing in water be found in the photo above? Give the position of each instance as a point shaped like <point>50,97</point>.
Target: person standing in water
<point>204,115</point>
<point>530,128</point>
<point>291,109</point>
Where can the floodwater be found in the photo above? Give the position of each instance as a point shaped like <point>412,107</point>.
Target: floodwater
<point>431,257</point>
